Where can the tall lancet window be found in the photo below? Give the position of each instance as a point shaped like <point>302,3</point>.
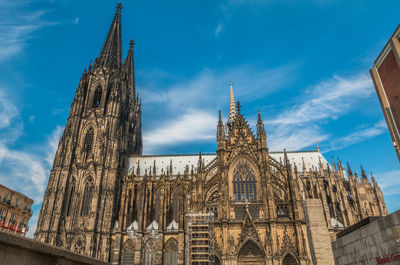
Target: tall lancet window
<point>70,197</point>
<point>88,144</point>
<point>87,197</point>
<point>244,182</point>
<point>97,98</point>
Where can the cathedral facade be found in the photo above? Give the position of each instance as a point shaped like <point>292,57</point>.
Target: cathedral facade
<point>240,205</point>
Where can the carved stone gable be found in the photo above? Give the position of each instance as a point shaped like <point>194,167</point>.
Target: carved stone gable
<point>249,230</point>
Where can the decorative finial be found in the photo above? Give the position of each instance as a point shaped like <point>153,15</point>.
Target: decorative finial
<point>230,80</point>
<point>131,43</point>
<point>238,106</point>
<point>317,146</point>
<point>119,6</point>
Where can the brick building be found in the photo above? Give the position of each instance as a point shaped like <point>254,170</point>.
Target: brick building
<point>386,76</point>
<point>15,211</point>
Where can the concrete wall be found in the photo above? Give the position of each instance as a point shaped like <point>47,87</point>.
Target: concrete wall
<point>318,234</point>
<point>17,250</point>
<point>374,243</point>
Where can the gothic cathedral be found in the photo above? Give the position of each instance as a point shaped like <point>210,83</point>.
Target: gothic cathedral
<point>240,205</point>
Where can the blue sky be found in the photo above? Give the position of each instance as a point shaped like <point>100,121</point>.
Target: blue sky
<point>303,63</point>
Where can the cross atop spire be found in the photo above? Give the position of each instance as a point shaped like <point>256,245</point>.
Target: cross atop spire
<point>111,53</point>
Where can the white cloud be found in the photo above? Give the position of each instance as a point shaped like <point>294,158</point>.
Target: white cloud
<point>187,109</point>
<point>218,29</point>
<point>17,27</point>
<point>32,118</point>
<point>389,182</point>
<point>328,100</point>
<point>24,169</point>
<point>357,136</point>
<point>301,125</point>
<point>7,111</point>
<point>210,88</point>
<point>191,126</point>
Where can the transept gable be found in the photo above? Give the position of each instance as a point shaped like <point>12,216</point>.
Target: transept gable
<point>240,132</point>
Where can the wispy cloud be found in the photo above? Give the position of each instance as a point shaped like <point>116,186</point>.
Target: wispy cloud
<point>218,29</point>
<point>357,136</point>
<point>210,87</point>
<point>17,28</point>
<point>187,109</point>
<point>301,125</point>
<point>7,111</point>
<point>24,169</point>
<point>327,100</point>
<point>195,125</point>
<point>230,7</point>
<point>389,182</point>
<point>390,185</point>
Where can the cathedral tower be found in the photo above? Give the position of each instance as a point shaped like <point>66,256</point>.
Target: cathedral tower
<point>82,198</point>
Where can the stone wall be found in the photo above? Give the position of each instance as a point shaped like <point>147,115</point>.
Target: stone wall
<point>374,243</point>
<point>17,250</point>
<point>318,234</point>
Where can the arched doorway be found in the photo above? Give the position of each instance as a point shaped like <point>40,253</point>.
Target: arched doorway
<point>251,253</point>
<point>289,260</point>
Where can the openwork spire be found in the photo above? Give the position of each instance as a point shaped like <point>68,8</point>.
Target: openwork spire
<point>111,53</point>
<point>232,107</point>
<point>129,64</point>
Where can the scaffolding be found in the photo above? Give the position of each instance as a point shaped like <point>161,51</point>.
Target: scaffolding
<point>200,239</point>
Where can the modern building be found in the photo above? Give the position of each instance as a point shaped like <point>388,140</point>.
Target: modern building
<point>386,76</point>
<point>242,204</point>
<point>15,211</point>
<point>374,240</point>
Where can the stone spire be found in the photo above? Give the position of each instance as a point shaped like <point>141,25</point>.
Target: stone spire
<point>129,64</point>
<point>111,53</point>
<point>232,107</point>
<point>220,133</point>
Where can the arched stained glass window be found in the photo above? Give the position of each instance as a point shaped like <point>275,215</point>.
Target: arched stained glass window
<point>87,197</point>
<point>171,252</point>
<point>150,252</point>
<point>244,182</point>
<point>97,98</point>
<point>70,197</point>
<point>89,137</point>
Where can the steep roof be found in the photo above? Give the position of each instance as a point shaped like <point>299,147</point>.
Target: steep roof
<point>180,161</point>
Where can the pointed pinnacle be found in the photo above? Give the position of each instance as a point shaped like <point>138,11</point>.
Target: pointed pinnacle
<point>238,106</point>
<point>349,169</point>
<point>363,173</point>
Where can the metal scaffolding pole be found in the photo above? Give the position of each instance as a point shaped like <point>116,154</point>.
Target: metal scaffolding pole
<point>200,242</point>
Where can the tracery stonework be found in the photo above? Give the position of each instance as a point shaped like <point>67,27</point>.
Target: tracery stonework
<point>101,186</point>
